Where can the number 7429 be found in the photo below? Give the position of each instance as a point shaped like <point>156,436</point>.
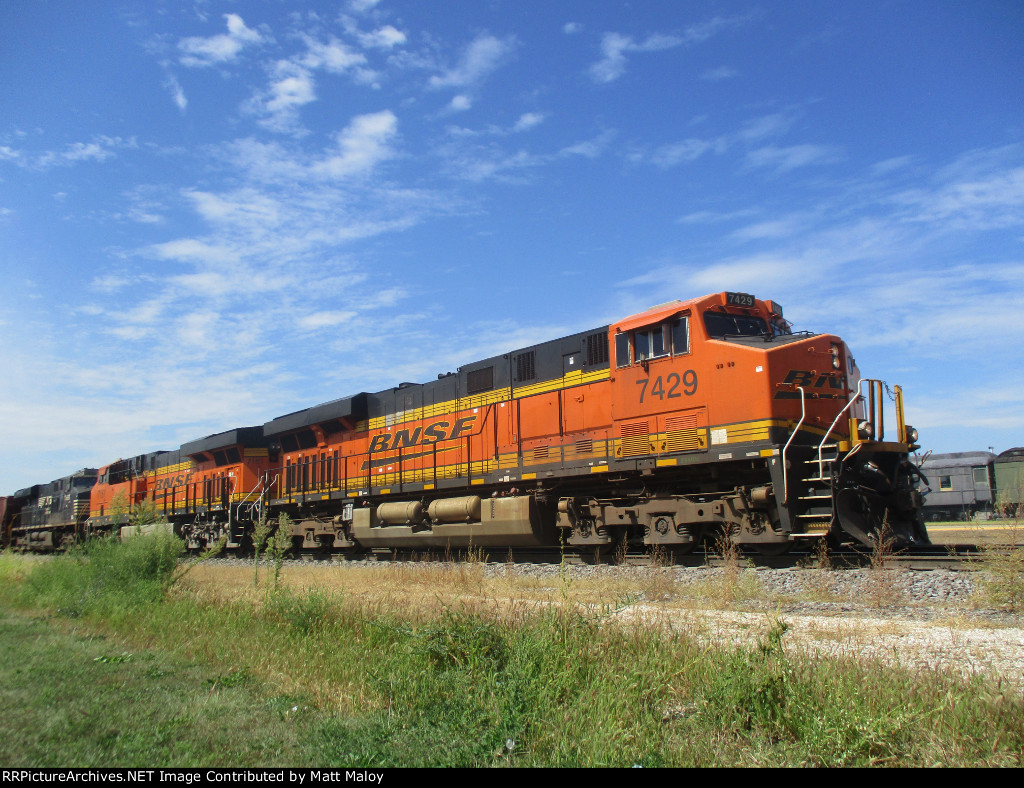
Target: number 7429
<point>687,382</point>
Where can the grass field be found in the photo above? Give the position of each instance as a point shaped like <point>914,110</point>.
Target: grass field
<point>115,655</point>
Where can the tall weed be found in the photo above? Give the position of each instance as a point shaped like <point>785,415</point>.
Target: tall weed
<point>104,573</point>
<point>1000,581</point>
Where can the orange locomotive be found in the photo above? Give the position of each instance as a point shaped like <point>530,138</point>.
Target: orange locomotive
<point>201,488</point>
<point>692,419</point>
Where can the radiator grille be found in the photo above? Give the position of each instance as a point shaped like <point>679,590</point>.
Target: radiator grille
<point>682,433</point>
<point>636,439</point>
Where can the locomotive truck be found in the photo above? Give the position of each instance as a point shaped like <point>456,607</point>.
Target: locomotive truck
<point>695,419</point>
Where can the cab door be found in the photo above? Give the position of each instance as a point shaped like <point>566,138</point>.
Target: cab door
<point>657,403</point>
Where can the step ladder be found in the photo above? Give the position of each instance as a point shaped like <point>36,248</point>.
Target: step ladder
<point>815,491</point>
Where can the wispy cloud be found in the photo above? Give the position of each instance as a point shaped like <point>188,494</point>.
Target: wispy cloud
<point>527,121</point>
<point>291,88</point>
<point>100,149</point>
<point>752,132</point>
<point>590,149</point>
<point>361,146</point>
<point>783,227</point>
<point>790,158</point>
<point>719,74</point>
<point>199,52</point>
<point>177,92</point>
<point>976,199</point>
<point>331,55</point>
<point>616,46</point>
<point>686,151</point>
<point>386,37</point>
<point>483,55</point>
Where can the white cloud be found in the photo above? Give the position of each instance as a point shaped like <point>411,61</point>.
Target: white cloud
<point>327,319</point>
<point>714,217</point>
<point>590,149</point>
<point>100,149</point>
<point>192,250</point>
<point>248,207</point>
<point>615,46</point>
<point>483,55</point>
<point>719,74</point>
<point>200,52</point>
<point>82,151</point>
<point>460,103</point>
<point>362,145</point>
<point>685,151</point>
<point>571,28</point>
<point>177,93</point>
<point>294,88</point>
<point>111,283</point>
<point>790,158</point>
<point>332,56</point>
<point>891,165</point>
<point>487,164</point>
<point>138,213</point>
<point>764,126</point>
<point>613,63</point>
<point>291,89</point>
<point>982,201</point>
<point>775,228</point>
<point>386,37</point>
<point>528,120</point>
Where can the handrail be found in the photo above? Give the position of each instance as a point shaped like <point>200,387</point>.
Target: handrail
<point>796,429</point>
<point>259,484</point>
<point>853,399</point>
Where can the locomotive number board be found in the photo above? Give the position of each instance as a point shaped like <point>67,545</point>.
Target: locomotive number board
<point>739,299</point>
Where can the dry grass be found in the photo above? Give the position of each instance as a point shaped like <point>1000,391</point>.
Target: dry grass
<point>442,664</point>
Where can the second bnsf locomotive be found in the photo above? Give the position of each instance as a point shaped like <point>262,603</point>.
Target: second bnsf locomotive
<point>689,421</point>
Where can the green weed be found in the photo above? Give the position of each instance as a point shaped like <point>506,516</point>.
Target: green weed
<point>1000,579</point>
<point>315,678</point>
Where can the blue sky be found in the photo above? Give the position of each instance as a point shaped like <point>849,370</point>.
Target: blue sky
<point>214,213</point>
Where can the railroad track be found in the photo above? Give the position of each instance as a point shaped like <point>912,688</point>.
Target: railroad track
<point>959,557</point>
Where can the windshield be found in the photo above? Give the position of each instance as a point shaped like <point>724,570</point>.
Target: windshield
<point>723,324</point>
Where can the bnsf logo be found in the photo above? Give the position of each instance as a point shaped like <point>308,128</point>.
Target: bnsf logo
<point>173,481</point>
<point>807,380</point>
<point>422,436</point>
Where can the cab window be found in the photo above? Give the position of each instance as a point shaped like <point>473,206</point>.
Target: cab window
<point>622,358</point>
<point>650,343</point>
<point>727,324</point>
<point>653,342</point>
<point>680,336</point>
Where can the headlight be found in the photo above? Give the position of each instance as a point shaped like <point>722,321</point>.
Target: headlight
<point>911,434</point>
<point>864,430</point>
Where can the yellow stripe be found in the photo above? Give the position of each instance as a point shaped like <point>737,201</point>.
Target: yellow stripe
<point>569,380</point>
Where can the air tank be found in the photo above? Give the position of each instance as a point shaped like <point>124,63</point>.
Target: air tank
<point>455,510</point>
<point>402,513</point>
